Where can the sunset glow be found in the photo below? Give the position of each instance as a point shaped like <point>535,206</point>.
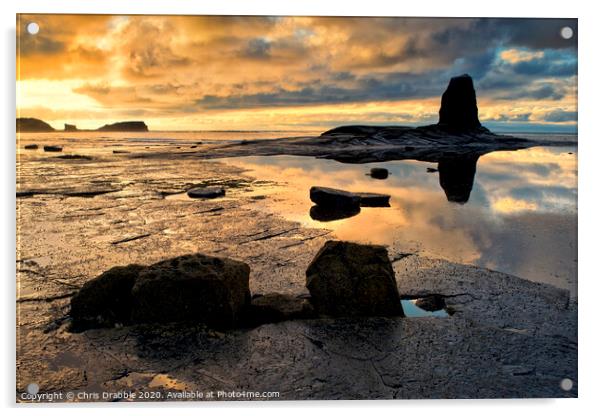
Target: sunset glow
<point>269,73</point>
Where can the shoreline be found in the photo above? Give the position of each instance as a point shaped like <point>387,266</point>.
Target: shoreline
<point>85,236</point>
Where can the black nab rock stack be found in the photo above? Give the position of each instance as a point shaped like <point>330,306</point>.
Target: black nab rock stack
<point>459,105</point>
<point>348,279</point>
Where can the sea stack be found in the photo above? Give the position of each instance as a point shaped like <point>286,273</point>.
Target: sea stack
<point>459,105</point>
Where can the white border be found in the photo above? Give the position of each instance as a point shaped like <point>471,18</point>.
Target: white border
<point>590,140</point>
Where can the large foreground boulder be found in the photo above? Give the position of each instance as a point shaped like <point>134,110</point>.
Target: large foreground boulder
<point>459,105</point>
<point>106,300</point>
<point>194,287</point>
<point>348,279</point>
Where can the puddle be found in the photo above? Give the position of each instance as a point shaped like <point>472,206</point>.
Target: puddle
<point>412,311</point>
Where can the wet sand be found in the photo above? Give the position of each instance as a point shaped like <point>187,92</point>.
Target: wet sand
<point>76,218</point>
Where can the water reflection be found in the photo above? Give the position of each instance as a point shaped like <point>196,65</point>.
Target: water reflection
<point>456,177</point>
<point>325,214</point>
<point>517,213</point>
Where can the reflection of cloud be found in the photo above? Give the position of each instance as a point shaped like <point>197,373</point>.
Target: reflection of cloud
<point>520,218</point>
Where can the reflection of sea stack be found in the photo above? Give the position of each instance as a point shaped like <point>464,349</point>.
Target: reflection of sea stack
<point>459,105</point>
<point>456,176</point>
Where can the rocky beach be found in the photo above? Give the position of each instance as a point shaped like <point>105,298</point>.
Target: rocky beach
<point>301,318</point>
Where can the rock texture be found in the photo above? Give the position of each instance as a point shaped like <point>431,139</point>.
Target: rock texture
<point>459,105</point>
<point>348,279</point>
<point>106,300</point>
<point>196,288</point>
<point>277,307</point>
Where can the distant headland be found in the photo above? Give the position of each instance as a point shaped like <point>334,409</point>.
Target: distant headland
<point>34,125</point>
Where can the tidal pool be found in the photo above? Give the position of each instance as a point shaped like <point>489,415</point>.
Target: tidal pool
<point>514,212</point>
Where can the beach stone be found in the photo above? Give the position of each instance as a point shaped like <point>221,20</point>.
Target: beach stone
<point>206,192</point>
<point>459,105</point>
<point>379,173</point>
<point>349,279</point>
<point>334,198</point>
<point>105,300</point>
<point>49,148</point>
<point>31,146</point>
<point>195,288</point>
<point>277,307</point>
<point>369,199</point>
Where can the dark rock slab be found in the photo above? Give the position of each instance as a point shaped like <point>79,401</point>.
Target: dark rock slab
<point>51,148</point>
<point>195,288</point>
<point>206,192</point>
<point>106,300</point>
<point>334,198</point>
<point>369,199</point>
<point>379,173</point>
<point>348,279</point>
<point>31,146</point>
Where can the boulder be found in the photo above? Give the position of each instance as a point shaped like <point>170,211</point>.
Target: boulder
<point>49,148</point>
<point>195,288</point>
<point>105,300</point>
<point>206,192</point>
<point>348,279</point>
<point>369,199</point>
<point>277,307</point>
<point>459,105</point>
<point>31,146</point>
<point>379,173</point>
<point>334,198</point>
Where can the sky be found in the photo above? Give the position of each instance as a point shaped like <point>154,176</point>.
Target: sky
<point>292,73</point>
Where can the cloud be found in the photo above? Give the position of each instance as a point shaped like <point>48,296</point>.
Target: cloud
<point>560,116</point>
<point>188,64</point>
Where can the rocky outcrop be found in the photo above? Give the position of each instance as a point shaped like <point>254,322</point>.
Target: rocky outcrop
<point>348,279</point>
<point>34,125</point>
<point>190,288</point>
<point>70,127</point>
<point>125,126</point>
<point>458,133</point>
<point>459,105</point>
<point>208,192</point>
